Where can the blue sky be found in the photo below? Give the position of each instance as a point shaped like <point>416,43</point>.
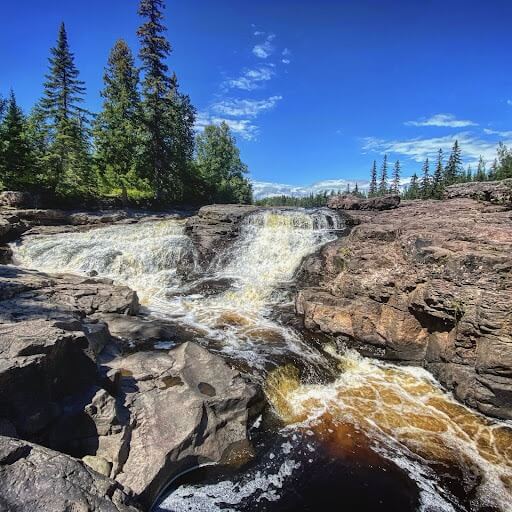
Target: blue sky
<point>313,89</point>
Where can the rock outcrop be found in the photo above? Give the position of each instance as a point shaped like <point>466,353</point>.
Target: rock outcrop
<point>429,283</point>
<point>36,478</point>
<point>498,192</point>
<point>140,419</point>
<point>351,202</point>
<point>215,226</point>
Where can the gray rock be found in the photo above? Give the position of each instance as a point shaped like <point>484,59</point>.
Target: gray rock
<point>36,478</point>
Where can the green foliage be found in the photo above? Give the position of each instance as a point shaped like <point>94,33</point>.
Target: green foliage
<point>503,167</point>
<point>117,134</point>
<point>426,185</point>
<point>311,201</point>
<point>383,183</point>
<point>395,183</point>
<point>373,180</point>
<point>220,167</point>
<point>16,156</point>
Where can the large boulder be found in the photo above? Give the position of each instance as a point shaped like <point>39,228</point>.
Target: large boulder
<point>428,284</point>
<point>215,226</point>
<point>499,192</point>
<point>166,412</point>
<point>36,478</point>
<point>351,202</point>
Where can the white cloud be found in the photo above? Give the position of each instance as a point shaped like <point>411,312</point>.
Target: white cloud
<point>509,102</point>
<point>265,49</point>
<point>242,127</point>
<point>285,61</point>
<point>259,33</point>
<point>286,52</point>
<point>445,120</point>
<point>245,108</point>
<point>497,132</point>
<point>251,79</point>
<point>418,149</point>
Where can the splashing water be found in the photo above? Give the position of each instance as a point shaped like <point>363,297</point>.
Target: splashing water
<point>399,414</point>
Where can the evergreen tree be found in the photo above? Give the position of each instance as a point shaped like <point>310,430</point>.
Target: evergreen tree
<point>16,157</point>
<point>117,127</point>
<point>395,184</point>
<point>437,179</point>
<point>68,170</point>
<point>425,187</point>
<point>453,168</point>
<point>468,175</point>
<point>221,169</point>
<point>413,191</point>
<point>168,115</point>
<point>383,183</point>
<point>372,191</point>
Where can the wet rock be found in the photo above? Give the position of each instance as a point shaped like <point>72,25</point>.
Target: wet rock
<point>36,478</point>
<point>186,407</point>
<point>215,226</point>
<point>429,283</point>
<point>351,202</point>
<point>499,192</point>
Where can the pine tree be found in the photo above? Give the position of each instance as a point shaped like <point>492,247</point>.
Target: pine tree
<point>117,128</point>
<point>395,184</point>
<point>453,168</point>
<point>168,115</point>
<point>383,183</point>
<point>425,187</point>
<point>68,161</point>
<point>16,158</point>
<point>372,191</point>
<point>437,179</point>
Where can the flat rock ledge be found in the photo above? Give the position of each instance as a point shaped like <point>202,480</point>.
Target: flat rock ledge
<point>113,425</point>
<point>428,283</point>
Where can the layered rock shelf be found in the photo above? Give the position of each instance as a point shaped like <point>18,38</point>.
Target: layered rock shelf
<point>428,283</point>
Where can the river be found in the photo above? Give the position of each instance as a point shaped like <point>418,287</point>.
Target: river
<point>342,432</point>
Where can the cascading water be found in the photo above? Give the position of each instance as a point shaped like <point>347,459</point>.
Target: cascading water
<point>368,424</point>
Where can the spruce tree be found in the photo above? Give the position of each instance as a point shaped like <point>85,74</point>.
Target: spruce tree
<point>16,159</point>
<point>68,161</point>
<point>453,168</point>
<point>383,183</point>
<point>395,183</point>
<point>168,115</point>
<point>425,187</point>
<point>372,191</point>
<point>493,171</point>
<point>437,179</point>
<point>117,134</point>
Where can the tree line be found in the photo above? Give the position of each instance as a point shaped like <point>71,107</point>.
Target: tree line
<point>141,146</point>
<point>431,182</point>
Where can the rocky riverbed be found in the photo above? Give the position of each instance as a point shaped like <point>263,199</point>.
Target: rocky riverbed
<point>118,392</point>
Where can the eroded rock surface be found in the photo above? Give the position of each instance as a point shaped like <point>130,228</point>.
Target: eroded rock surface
<point>499,192</point>
<point>36,478</point>
<point>429,283</point>
<point>216,225</point>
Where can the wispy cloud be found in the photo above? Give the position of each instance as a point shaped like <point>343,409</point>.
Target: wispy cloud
<point>286,56</point>
<point>266,48</point>
<point>418,149</point>
<point>498,132</point>
<point>245,128</point>
<point>444,120</point>
<point>509,102</point>
<point>245,107</point>
<point>251,79</point>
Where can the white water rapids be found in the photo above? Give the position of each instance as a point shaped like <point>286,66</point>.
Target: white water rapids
<point>403,412</point>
